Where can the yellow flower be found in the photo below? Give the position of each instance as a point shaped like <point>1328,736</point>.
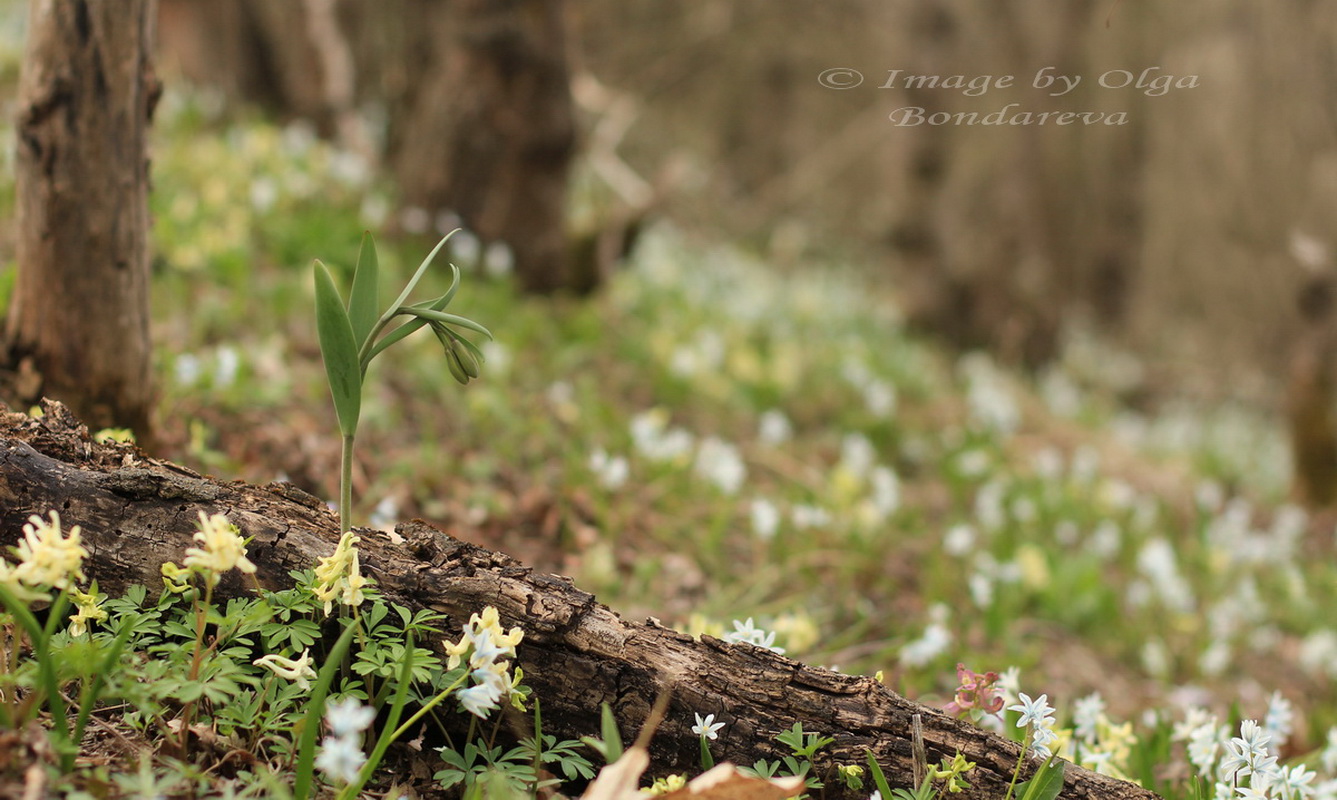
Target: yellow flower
<point>223,549</point>
<point>174,578</point>
<point>46,558</point>
<point>87,604</point>
<point>339,575</point>
<point>298,670</point>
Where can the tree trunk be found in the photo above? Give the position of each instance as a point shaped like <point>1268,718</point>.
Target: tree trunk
<point>78,326</point>
<point>493,132</point>
<point>576,654</point>
<point>476,93</point>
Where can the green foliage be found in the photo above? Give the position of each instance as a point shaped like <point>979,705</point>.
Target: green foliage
<point>1045,784</point>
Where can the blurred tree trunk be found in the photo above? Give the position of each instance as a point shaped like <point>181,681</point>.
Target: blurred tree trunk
<point>78,326</point>
<point>492,133</point>
<point>476,93</point>
<point>253,50</point>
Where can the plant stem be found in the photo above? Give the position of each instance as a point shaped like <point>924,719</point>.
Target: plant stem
<point>346,487</point>
<point>1017,772</point>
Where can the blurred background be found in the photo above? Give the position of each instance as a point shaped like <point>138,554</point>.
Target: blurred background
<point>1183,235</point>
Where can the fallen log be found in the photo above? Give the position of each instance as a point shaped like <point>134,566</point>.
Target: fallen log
<point>137,512</point>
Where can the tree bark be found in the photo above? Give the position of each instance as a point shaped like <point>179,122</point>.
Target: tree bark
<point>78,326</point>
<point>576,654</point>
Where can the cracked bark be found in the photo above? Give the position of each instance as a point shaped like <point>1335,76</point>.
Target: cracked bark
<point>137,512</point>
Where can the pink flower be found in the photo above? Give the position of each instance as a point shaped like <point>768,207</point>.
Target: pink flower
<point>976,696</point>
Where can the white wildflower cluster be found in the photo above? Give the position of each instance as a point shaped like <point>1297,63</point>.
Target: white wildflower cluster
<point>879,396</point>
<point>858,482</point>
<point>485,645</point>
<point>714,460</point>
<point>933,643</point>
<point>610,471</point>
<point>1099,744</point>
<point>748,633</point>
<point>1246,765</point>
<point>656,441</point>
<point>341,755</point>
<point>720,463</point>
<point>992,405</point>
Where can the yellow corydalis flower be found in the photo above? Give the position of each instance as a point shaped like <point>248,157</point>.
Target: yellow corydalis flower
<point>297,670</point>
<point>87,605</point>
<point>340,575</point>
<point>46,557</point>
<point>223,549</point>
<point>483,635</point>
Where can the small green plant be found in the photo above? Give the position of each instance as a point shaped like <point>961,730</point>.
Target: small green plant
<point>804,747</point>
<point>350,337</point>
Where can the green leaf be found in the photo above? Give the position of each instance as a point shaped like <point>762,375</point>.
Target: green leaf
<point>363,300</point>
<point>339,349</point>
<point>449,319</point>
<point>417,276</point>
<point>1045,784</point>
<point>879,777</point>
<point>611,735</point>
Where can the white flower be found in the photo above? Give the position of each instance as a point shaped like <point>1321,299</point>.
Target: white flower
<point>807,516</point>
<point>1042,736</point>
<point>479,699</point>
<point>933,643</point>
<point>707,726</point>
<point>748,633</point>
<point>341,758</point>
<point>1294,782</point>
<point>886,491</point>
<point>1035,711</point>
<point>1086,715</point>
<point>958,540</point>
<point>1280,720</point>
<point>719,462</point>
<point>1203,746</point>
<point>348,717</point>
<point>857,454</point>
<point>610,471</point>
<point>1329,757</point>
<point>765,519</point>
<point>774,427</point>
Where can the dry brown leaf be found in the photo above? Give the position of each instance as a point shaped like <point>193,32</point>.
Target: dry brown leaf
<point>725,782</point>
<point>621,779</point>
